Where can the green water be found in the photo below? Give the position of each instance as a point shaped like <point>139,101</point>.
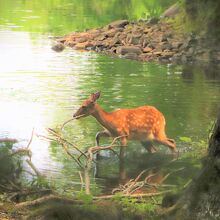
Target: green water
<point>41,88</point>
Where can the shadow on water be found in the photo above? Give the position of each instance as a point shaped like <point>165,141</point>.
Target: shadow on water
<point>209,72</point>
<point>114,172</point>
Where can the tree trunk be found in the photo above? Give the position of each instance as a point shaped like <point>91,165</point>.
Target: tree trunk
<point>202,198</point>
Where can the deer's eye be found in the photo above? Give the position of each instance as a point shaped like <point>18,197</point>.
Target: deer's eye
<point>83,106</point>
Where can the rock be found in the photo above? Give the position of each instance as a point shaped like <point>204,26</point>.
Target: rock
<point>111,33</point>
<point>70,43</point>
<point>166,46</point>
<point>176,44</point>
<point>163,38</point>
<point>183,59</point>
<point>119,23</point>
<point>147,49</point>
<point>153,20</point>
<point>113,49</point>
<point>151,45</point>
<point>101,37</point>
<point>132,56</point>
<point>114,41</point>
<point>135,39</point>
<point>147,30</point>
<point>190,51</point>
<point>205,56</point>
<point>158,53</point>
<point>216,56</point>
<point>82,40</point>
<point>58,47</point>
<point>176,58</point>
<point>128,49</point>
<point>167,54</point>
<point>83,46</point>
<point>142,40</point>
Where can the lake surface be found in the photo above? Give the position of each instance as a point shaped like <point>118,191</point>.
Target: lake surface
<point>40,88</point>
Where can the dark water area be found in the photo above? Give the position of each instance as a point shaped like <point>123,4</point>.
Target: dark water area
<point>41,88</point>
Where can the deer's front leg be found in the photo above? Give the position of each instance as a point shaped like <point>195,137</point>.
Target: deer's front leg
<point>100,134</point>
<point>124,143</point>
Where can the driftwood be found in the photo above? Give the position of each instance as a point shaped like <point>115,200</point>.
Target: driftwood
<point>136,184</point>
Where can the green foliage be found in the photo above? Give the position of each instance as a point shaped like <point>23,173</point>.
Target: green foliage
<point>61,17</point>
<point>186,139</point>
<point>8,163</point>
<point>201,16</point>
<point>87,201</point>
<point>136,206</point>
<point>40,182</point>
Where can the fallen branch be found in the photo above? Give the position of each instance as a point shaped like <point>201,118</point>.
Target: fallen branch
<point>28,193</point>
<point>133,195</point>
<point>47,199</point>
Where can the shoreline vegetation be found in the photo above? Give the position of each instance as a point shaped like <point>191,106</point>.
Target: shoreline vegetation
<point>163,39</point>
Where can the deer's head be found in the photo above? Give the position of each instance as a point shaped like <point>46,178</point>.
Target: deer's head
<point>87,107</point>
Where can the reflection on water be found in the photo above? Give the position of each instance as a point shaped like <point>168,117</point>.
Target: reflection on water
<point>40,88</point>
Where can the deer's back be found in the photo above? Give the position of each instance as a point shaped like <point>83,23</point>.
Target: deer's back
<point>145,122</point>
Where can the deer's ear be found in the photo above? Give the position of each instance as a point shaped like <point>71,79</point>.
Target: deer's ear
<point>95,96</point>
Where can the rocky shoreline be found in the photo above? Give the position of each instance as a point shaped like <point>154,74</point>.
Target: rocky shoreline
<point>151,40</point>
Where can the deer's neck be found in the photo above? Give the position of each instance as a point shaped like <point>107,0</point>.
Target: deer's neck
<point>103,117</point>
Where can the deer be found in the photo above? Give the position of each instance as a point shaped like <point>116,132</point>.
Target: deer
<point>145,124</point>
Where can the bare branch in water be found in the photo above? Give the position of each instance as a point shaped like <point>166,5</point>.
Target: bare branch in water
<point>93,150</point>
<point>31,139</point>
<point>33,168</point>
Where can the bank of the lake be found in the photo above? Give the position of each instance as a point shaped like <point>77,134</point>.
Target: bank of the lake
<point>144,40</point>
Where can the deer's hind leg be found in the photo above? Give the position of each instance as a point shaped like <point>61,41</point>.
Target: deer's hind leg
<point>148,145</point>
<point>169,143</point>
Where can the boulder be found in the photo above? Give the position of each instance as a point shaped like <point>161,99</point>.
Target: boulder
<point>128,49</point>
<point>58,47</point>
<point>119,23</point>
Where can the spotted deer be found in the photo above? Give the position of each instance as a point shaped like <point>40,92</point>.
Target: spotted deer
<point>145,124</point>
